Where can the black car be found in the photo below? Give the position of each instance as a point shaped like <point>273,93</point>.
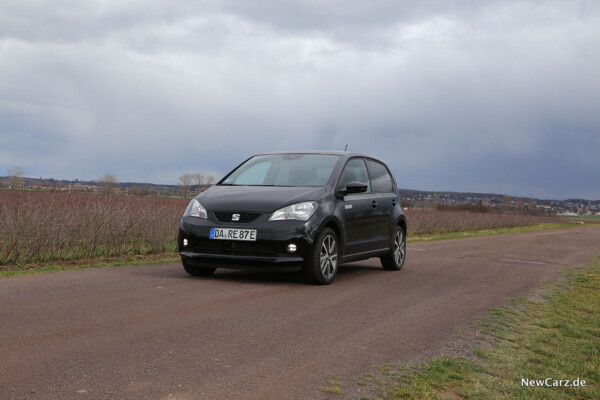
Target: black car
<point>311,209</point>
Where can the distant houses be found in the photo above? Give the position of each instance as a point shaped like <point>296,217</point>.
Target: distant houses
<point>568,214</point>
<point>485,202</point>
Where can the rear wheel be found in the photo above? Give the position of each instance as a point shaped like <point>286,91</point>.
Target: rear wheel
<point>394,260</point>
<point>195,270</point>
<point>322,266</point>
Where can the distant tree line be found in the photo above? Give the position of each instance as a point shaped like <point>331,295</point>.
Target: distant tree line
<point>192,183</point>
<point>189,184</point>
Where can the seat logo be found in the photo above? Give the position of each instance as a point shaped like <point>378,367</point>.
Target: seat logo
<point>235,217</point>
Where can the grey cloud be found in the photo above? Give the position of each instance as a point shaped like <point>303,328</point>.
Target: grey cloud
<point>494,96</point>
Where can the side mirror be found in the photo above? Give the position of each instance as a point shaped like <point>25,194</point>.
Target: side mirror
<point>356,187</point>
<point>352,187</point>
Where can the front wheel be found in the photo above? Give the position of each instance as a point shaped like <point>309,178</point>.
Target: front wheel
<point>195,270</point>
<point>394,260</point>
<point>322,266</point>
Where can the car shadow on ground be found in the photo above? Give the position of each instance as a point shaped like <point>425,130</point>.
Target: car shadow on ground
<point>282,277</point>
<point>256,276</point>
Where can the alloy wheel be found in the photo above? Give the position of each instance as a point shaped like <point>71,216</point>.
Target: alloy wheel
<point>329,257</point>
<point>399,247</point>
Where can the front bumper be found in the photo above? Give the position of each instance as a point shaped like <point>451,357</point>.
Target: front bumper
<point>268,251</point>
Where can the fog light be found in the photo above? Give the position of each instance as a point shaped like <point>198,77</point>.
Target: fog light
<point>291,248</point>
<point>185,242</point>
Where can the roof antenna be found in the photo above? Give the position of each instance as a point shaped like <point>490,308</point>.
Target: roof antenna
<point>346,148</point>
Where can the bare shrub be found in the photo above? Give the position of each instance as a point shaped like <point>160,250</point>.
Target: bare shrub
<point>55,226</point>
<point>430,222</point>
<point>45,226</point>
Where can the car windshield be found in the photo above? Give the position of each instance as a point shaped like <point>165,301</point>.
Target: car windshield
<point>284,170</point>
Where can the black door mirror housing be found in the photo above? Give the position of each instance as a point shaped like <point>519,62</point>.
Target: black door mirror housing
<point>356,187</point>
<point>352,187</point>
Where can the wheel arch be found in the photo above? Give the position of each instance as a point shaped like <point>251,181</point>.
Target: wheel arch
<point>335,225</point>
<point>401,222</point>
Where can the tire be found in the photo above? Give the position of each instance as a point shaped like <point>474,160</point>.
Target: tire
<point>195,270</point>
<point>394,260</point>
<point>322,266</point>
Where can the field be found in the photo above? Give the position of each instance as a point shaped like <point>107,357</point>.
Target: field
<point>38,228</point>
<point>424,222</point>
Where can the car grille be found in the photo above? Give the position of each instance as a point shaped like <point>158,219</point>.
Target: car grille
<point>228,247</point>
<point>245,217</point>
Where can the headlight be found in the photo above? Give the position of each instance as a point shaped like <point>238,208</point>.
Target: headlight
<point>299,211</point>
<point>195,209</point>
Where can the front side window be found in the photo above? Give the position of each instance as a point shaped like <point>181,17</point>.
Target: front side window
<point>284,170</point>
<point>380,177</point>
<point>356,171</point>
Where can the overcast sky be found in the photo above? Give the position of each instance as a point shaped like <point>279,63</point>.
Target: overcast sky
<point>483,96</point>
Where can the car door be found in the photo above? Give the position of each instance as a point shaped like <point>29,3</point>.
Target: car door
<point>359,210</point>
<point>383,186</point>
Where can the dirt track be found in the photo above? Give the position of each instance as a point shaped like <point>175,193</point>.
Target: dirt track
<point>153,332</point>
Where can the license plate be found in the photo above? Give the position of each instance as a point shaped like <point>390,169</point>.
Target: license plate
<point>233,234</point>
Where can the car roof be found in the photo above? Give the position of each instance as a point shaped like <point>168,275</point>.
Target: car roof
<point>327,152</point>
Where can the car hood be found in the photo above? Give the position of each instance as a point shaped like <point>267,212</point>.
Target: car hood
<point>256,198</point>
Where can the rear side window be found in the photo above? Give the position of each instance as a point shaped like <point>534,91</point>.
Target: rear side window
<point>356,171</point>
<point>381,181</point>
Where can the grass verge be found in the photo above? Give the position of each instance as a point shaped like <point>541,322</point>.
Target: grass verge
<point>556,338</point>
<point>491,232</point>
<point>147,259</point>
<point>334,387</point>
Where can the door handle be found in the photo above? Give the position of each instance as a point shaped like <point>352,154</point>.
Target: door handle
<point>374,204</point>
<point>394,202</point>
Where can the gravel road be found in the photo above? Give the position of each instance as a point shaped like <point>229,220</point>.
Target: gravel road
<point>153,332</point>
